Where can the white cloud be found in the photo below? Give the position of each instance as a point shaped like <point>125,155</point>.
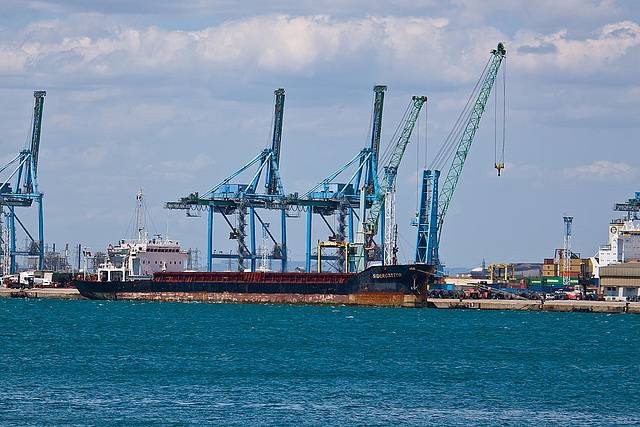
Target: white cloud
<point>407,36</point>
<point>90,44</point>
<point>557,52</point>
<point>600,170</point>
<point>284,43</point>
<point>570,8</point>
<point>603,170</point>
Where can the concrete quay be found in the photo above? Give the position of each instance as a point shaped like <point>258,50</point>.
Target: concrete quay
<point>438,303</point>
<point>537,305</point>
<point>46,293</point>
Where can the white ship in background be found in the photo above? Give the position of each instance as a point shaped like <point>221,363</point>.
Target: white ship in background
<point>139,258</point>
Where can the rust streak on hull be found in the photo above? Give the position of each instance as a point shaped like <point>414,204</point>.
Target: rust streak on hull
<point>387,299</point>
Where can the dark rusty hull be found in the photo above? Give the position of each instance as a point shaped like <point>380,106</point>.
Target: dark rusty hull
<point>395,286</point>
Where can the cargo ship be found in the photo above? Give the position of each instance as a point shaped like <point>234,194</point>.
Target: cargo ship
<point>154,269</point>
<point>392,285</point>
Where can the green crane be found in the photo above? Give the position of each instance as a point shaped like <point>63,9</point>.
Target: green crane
<point>387,185</point>
<point>450,182</point>
<point>427,251</point>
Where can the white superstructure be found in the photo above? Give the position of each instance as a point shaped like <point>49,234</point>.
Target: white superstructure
<point>623,246</point>
<point>138,259</point>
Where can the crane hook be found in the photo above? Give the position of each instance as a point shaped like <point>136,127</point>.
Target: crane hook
<point>499,166</point>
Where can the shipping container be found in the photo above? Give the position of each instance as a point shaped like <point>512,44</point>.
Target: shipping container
<point>543,288</point>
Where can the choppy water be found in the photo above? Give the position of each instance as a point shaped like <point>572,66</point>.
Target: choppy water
<point>124,363</point>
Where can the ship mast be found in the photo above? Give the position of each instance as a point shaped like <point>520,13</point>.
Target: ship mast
<point>139,215</point>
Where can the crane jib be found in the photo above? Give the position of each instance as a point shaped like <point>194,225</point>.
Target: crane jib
<point>450,182</point>
<point>391,169</point>
<point>434,203</point>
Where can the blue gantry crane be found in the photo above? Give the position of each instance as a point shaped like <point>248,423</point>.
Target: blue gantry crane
<point>434,202</point>
<point>242,199</point>
<point>356,193</point>
<point>350,198</point>
<point>23,172</point>
<point>631,207</point>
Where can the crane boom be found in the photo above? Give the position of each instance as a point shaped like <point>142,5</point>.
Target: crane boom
<point>376,130</point>
<point>31,155</point>
<point>391,169</point>
<point>450,182</point>
<point>37,127</point>
<point>271,181</point>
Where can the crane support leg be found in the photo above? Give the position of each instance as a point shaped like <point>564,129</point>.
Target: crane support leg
<point>283,220</point>
<point>308,260</point>
<point>427,242</point>
<point>242,247</point>
<point>210,239</point>
<point>432,240</point>
<point>252,230</point>
<point>40,234</point>
<point>12,224</point>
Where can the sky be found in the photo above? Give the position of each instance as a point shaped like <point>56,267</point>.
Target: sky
<point>173,97</point>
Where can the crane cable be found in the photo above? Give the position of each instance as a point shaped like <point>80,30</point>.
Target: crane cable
<point>426,133</point>
<point>450,146</point>
<point>426,146</point>
<point>499,161</point>
<point>418,165</point>
<point>390,148</point>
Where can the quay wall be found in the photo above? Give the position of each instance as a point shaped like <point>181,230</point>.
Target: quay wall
<point>360,299</point>
<point>46,293</point>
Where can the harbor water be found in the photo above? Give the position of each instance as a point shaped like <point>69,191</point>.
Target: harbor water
<point>147,363</point>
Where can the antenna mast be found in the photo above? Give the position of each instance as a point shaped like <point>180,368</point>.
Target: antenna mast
<point>139,214</point>
<point>567,251</point>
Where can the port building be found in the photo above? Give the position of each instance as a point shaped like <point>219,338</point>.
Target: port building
<point>617,263</point>
<point>623,246</point>
<point>620,281</point>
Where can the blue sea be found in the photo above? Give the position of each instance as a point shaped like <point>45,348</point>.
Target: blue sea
<point>90,363</point>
